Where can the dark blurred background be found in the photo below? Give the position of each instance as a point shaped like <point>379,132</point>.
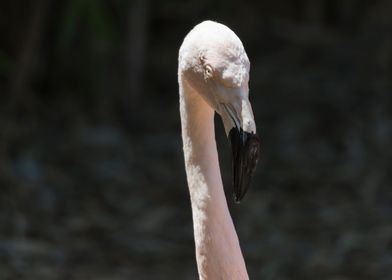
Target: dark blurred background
<point>92,183</point>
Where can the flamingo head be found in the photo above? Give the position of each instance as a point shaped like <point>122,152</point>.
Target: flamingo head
<point>214,63</point>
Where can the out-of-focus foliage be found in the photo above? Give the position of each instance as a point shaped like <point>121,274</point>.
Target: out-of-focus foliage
<point>91,168</point>
<point>5,64</point>
<point>93,13</point>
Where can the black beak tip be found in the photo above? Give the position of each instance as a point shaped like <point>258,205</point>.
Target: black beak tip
<point>246,148</point>
<point>237,199</point>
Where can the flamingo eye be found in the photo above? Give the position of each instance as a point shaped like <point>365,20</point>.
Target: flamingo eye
<point>209,73</point>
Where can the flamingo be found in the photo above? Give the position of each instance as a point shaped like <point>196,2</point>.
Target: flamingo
<point>213,75</point>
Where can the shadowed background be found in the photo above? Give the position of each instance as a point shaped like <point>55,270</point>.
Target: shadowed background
<point>92,183</point>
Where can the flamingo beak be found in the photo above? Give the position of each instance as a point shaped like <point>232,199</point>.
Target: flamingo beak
<point>245,152</point>
<point>245,147</point>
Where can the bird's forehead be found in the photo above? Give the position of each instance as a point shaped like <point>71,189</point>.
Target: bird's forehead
<point>226,52</point>
<point>215,44</point>
<point>230,61</point>
<point>218,41</point>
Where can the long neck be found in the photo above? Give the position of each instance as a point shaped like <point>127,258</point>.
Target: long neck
<point>218,252</point>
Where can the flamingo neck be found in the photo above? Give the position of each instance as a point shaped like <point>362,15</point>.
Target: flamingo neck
<point>218,252</point>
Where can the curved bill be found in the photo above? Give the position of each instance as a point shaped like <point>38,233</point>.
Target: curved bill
<point>245,151</point>
<point>245,145</point>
